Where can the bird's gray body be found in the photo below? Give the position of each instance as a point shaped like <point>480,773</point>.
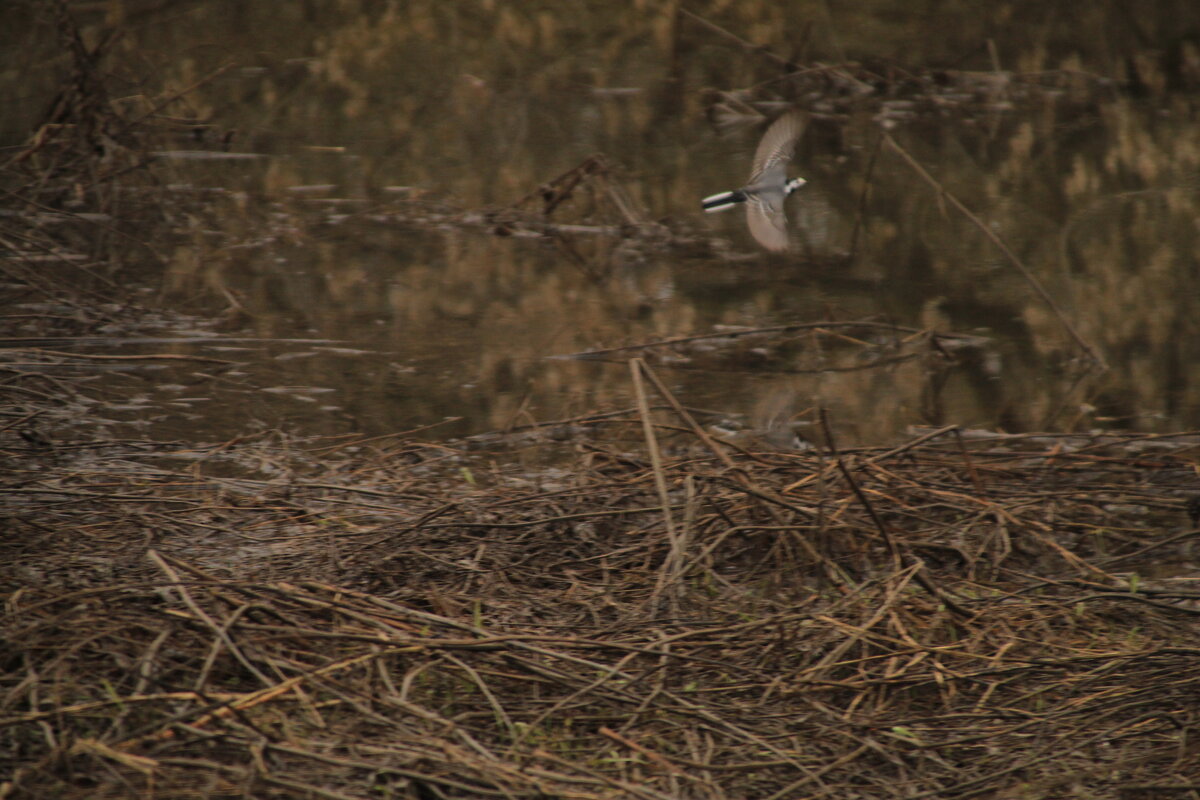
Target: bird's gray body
<point>768,186</point>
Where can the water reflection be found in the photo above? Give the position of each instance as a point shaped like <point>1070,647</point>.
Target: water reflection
<point>1093,186</point>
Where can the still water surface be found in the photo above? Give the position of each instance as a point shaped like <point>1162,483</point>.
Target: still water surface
<point>365,122</point>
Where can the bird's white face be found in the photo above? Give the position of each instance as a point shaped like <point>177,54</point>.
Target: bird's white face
<point>793,185</point>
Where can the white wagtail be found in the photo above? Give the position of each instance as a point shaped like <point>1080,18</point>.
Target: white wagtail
<point>769,184</point>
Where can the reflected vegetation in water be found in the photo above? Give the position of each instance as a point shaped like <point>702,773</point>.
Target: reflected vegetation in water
<point>390,140</point>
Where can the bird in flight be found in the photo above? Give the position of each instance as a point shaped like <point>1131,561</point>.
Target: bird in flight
<point>769,185</point>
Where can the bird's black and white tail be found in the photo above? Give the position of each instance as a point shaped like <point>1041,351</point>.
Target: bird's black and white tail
<point>722,201</point>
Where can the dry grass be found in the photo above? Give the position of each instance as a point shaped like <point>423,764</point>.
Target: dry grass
<point>937,620</point>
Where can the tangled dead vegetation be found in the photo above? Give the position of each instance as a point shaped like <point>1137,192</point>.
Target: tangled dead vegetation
<point>664,616</point>
<point>661,615</point>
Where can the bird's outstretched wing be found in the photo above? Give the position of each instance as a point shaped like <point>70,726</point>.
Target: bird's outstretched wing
<point>768,225</point>
<point>775,148</point>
